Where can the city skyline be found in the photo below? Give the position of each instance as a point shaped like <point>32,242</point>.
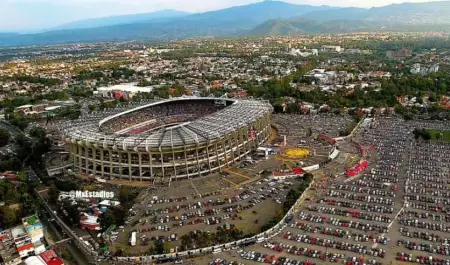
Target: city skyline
<point>29,15</point>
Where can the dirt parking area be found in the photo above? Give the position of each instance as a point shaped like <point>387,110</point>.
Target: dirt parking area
<point>202,205</point>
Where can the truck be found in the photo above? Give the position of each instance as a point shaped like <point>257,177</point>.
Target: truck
<point>133,239</point>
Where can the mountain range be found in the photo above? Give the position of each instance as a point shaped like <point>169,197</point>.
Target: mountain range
<point>123,19</point>
<point>259,19</point>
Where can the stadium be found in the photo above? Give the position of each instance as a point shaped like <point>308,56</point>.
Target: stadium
<point>167,140</point>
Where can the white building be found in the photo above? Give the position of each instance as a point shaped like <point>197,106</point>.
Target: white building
<point>330,48</point>
<point>422,70</point>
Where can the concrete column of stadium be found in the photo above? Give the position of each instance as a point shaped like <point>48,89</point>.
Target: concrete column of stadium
<point>198,160</point>
<point>234,146</point>
<point>150,161</point>
<point>224,150</point>
<point>102,162</point>
<point>185,162</point>
<point>119,154</point>
<point>243,141</point>
<point>80,157</point>
<point>130,162</point>
<point>86,159</point>
<point>140,166</point>
<point>71,154</point>
<point>173,162</point>
<point>238,142</point>
<point>207,154</point>
<point>162,162</point>
<point>94,161</point>
<point>217,156</point>
<point>110,163</point>
<point>230,146</point>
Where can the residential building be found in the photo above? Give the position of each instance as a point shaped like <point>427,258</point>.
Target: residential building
<point>33,228</point>
<point>403,53</point>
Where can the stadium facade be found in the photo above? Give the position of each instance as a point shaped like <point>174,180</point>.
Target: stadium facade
<point>171,139</point>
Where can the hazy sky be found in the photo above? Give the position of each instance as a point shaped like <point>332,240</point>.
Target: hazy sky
<point>36,14</point>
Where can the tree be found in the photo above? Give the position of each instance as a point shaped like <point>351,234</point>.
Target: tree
<point>126,196</point>
<point>159,246</point>
<point>150,250</point>
<point>37,132</point>
<point>8,216</point>
<point>432,98</point>
<point>73,214</point>
<point>53,194</point>
<point>107,219</point>
<point>114,216</point>
<point>20,122</point>
<point>308,177</point>
<point>4,137</point>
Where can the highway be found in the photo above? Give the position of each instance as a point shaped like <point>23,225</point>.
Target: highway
<point>86,253</point>
<point>75,252</point>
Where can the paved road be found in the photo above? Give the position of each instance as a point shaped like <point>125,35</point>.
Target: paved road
<point>75,252</point>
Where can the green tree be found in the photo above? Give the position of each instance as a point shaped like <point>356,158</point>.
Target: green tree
<point>159,246</point>
<point>4,137</point>
<point>53,194</point>
<point>9,216</point>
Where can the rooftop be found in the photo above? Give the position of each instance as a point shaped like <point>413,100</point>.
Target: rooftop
<point>209,128</point>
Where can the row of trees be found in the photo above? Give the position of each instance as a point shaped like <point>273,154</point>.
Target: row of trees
<point>202,239</point>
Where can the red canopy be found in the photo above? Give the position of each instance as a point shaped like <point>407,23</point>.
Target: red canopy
<point>298,171</point>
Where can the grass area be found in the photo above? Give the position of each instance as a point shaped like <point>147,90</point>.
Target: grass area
<point>439,135</point>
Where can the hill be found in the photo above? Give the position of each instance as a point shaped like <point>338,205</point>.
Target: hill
<point>300,26</point>
<point>224,22</point>
<point>122,19</point>
<point>259,19</point>
<point>350,13</point>
<point>258,12</point>
<point>406,13</point>
<point>413,13</point>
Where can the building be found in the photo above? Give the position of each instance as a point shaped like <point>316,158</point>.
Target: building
<point>417,69</point>
<point>172,139</point>
<point>330,48</point>
<point>126,91</point>
<point>45,258</point>
<point>304,53</point>
<point>8,251</point>
<point>25,249</point>
<point>33,228</point>
<point>399,55</point>
<point>22,241</point>
<point>50,258</point>
<point>27,237</point>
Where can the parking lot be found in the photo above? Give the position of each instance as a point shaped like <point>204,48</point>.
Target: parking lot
<point>242,196</point>
<point>395,212</point>
<point>201,205</point>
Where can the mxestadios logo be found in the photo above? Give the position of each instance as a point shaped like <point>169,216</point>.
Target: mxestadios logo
<point>92,194</point>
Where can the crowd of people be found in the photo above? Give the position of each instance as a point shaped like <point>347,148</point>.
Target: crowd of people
<point>158,115</point>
